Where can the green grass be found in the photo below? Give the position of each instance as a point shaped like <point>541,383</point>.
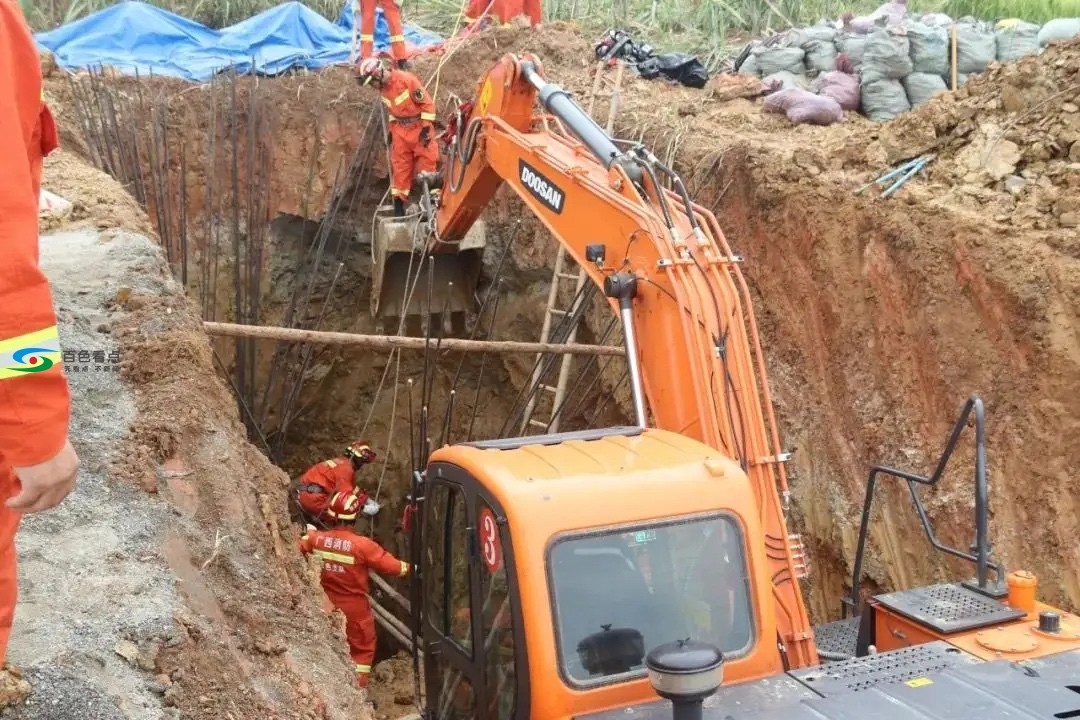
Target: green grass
<point>703,26</point>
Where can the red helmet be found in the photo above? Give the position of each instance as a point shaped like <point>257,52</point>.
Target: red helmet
<point>344,506</point>
<point>360,450</point>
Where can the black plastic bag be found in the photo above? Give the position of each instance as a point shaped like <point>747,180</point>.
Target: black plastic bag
<point>682,68</point>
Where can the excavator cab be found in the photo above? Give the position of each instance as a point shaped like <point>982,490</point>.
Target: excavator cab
<point>611,543</point>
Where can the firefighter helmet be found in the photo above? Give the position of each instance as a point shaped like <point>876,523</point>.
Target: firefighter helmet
<point>360,450</point>
<point>344,506</point>
<point>369,68</point>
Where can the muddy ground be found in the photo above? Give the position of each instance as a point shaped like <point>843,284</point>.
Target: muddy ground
<point>879,316</point>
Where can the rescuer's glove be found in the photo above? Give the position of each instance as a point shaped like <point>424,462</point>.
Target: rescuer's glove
<point>371,508</point>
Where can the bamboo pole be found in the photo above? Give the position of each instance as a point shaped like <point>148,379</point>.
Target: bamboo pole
<point>391,592</point>
<point>953,52</point>
<point>390,623</point>
<point>391,342</point>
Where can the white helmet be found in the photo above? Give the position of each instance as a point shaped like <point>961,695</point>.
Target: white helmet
<point>369,68</point>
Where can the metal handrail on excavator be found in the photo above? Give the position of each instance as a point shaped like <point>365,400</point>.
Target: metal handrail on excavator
<point>981,558</point>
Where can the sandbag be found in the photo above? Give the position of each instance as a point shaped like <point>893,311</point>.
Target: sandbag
<point>887,57</point>
<point>893,12</point>
<point>820,55</point>
<point>976,46</point>
<point>1016,41</point>
<point>1059,29</point>
<point>841,87</point>
<point>774,59</point>
<point>823,31</point>
<point>920,87</point>
<point>749,66</point>
<point>803,107</point>
<point>936,19</point>
<point>784,80</point>
<point>852,45</point>
<point>883,99</point>
<point>929,48</point>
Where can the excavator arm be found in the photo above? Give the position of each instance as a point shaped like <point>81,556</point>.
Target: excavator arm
<point>664,266</point>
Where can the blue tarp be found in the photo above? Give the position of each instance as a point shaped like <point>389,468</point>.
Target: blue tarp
<point>133,36</point>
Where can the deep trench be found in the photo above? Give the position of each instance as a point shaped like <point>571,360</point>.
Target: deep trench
<point>818,304</point>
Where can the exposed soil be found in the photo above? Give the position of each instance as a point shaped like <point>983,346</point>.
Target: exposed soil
<point>880,316</point>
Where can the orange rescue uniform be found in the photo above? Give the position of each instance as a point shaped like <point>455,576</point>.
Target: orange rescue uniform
<point>347,558</point>
<point>34,403</point>
<point>502,10</point>
<point>330,476</point>
<point>366,11</point>
<point>412,114</point>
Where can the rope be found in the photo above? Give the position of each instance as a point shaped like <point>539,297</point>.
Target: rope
<point>436,76</point>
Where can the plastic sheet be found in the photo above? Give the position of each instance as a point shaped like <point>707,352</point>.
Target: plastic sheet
<point>137,37</point>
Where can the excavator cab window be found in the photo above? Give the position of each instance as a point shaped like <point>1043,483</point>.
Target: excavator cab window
<point>620,592</point>
<point>473,637</point>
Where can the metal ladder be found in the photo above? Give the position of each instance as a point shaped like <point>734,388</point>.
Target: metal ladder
<point>558,390</point>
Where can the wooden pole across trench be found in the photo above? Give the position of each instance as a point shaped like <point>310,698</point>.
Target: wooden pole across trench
<point>402,342</point>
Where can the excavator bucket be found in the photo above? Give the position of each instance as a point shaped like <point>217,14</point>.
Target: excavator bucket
<point>400,278</point>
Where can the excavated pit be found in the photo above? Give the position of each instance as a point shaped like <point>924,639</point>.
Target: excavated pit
<point>879,317</point>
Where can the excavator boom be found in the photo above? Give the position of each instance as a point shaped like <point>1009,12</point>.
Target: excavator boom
<point>665,267</point>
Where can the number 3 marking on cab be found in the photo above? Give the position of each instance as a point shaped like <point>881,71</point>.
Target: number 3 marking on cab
<point>489,541</point>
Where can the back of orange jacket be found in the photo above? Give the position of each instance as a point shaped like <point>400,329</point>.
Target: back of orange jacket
<point>347,559</point>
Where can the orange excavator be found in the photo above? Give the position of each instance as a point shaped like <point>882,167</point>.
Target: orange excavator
<point>601,573</point>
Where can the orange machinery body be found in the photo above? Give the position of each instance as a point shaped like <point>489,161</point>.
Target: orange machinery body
<point>690,293</point>
<point>1017,640</point>
<point>551,490</point>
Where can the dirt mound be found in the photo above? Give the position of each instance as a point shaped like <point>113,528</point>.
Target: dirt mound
<point>1008,140</point>
<point>98,201</point>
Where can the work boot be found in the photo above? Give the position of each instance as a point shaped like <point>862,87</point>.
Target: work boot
<point>13,688</point>
<point>399,207</point>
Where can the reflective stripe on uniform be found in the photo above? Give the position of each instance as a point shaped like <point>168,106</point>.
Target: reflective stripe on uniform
<point>397,38</point>
<point>30,353</point>
<point>399,192</point>
<point>367,38</point>
<point>402,97</point>
<point>386,100</point>
<point>336,557</point>
<point>404,569</point>
<point>427,116</point>
<point>332,463</point>
<point>363,669</point>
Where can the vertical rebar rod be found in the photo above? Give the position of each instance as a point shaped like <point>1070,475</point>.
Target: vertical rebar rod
<point>480,374</point>
<point>238,291</point>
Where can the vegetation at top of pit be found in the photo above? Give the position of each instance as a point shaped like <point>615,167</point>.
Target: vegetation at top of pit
<point>706,27</point>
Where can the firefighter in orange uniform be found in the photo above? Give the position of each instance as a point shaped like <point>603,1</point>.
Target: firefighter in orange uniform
<point>364,18</point>
<point>319,483</point>
<point>37,462</point>
<point>347,558</point>
<point>502,11</point>
<point>413,148</point>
